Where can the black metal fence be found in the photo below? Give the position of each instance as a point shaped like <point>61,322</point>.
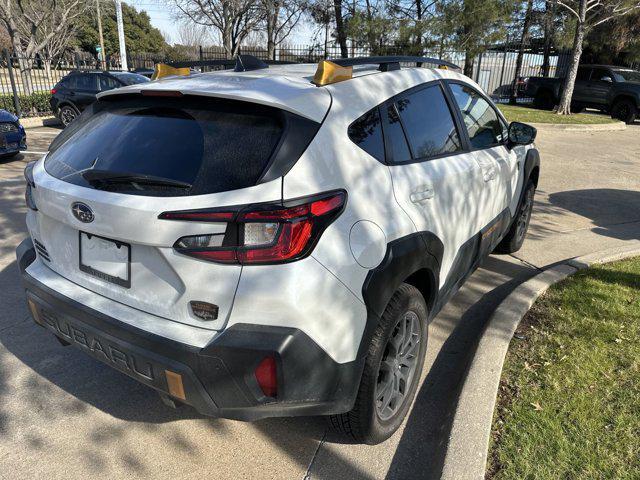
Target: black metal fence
<point>25,84</point>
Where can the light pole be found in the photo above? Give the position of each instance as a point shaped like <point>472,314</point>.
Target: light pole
<point>103,58</point>
<point>123,48</point>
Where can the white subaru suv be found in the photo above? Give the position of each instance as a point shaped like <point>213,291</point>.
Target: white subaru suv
<point>266,242</point>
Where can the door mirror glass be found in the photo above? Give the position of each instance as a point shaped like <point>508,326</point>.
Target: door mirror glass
<point>607,79</point>
<point>521,134</point>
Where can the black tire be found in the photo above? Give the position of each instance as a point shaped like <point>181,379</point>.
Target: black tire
<point>370,421</point>
<point>544,100</point>
<point>67,114</point>
<point>8,155</point>
<point>625,110</point>
<point>513,240</point>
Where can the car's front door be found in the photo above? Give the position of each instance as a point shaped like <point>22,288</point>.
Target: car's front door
<point>600,86</point>
<point>487,134</point>
<point>435,179</point>
<point>581,94</point>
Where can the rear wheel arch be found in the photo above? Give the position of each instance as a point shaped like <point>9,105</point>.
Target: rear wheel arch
<point>413,259</point>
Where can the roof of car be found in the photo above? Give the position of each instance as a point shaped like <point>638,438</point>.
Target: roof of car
<point>613,67</point>
<point>288,87</point>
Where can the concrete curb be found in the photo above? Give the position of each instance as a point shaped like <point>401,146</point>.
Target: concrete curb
<point>33,122</point>
<point>574,127</point>
<point>468,445</point>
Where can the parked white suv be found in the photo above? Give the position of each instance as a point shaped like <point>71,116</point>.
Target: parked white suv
<point>268,243</point>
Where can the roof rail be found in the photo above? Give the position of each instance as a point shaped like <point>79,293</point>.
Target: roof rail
<point>389,63</point>
<point>241,63</point>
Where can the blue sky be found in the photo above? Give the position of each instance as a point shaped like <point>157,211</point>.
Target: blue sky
<point>163,19</point>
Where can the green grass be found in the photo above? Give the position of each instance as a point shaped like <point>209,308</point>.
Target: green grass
<point>516,113</point>
<point>569,400</point>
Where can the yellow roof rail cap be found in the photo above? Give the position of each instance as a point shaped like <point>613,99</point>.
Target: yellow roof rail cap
<point>329,72</point>
<point>163,70</point>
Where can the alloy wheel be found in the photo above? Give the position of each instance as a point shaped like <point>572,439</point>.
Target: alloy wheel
<point>398,365</point>
<point>525,215</point>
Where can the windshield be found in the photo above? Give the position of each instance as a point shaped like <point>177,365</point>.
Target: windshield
<point>627,75</point>
<point>159,146</point>
<point>129,78</point>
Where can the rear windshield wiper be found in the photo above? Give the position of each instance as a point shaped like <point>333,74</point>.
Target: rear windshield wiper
<point>98,177</point>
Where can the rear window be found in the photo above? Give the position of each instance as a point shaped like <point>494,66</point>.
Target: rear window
<point>181,147</point>
<point>130,78</point>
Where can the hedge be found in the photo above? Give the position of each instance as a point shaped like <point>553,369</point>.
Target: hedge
<point>30,105</point>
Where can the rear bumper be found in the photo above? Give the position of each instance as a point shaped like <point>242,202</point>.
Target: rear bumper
<point>218,380</point>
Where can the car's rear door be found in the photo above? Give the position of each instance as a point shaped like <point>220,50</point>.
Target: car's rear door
<point>435,179</point>
<point>581,93</point>
<point>83,90</point>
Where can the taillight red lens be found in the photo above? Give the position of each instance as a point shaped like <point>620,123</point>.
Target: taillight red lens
<point>264,233</point>
<point>267,376</point>
<point>53,91</point>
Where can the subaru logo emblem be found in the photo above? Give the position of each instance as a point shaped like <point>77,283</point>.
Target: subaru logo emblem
<point>82,212</point>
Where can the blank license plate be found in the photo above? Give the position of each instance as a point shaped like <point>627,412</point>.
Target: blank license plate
<point>106,259</point>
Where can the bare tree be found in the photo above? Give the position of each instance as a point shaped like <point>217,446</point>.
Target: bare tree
<point>322,13</point>
<point>32,25</point>
<point>587,15</point>
<point>340,29</point>
<point>281,17</point>
<point>193,34</point>
<point>234,19</point>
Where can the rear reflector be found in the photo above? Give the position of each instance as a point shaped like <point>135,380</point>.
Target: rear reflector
<point>267,376</point>
<point>265,233</point>
<point>174,382</point>
<point>34,311</point>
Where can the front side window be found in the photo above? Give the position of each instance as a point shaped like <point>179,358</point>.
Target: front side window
<point>428,123</point>
<point>366,132</point>
<point>482,122</point>
<point>599,74</point>
<point>85,82</point>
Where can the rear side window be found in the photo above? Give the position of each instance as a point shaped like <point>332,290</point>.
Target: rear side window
<point>428,123</point>
<point>82,81</point>
<point>482,122</point>
<point>185,147</point>
<point>398,147</point>
<point>366,132</point>
<point>108,83</point>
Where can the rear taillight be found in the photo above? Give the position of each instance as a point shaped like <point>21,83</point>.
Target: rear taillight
<point>263,233</point>
<point>53,91</point>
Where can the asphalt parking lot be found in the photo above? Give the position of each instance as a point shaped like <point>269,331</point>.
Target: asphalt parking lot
<point>64,415</point>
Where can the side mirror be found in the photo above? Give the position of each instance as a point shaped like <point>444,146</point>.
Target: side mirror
<point>521,134</point>
<point>607,79</point>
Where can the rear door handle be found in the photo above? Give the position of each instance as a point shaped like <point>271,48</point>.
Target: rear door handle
<point>422,193</point>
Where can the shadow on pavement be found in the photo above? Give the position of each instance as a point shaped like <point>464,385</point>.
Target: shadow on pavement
<point>605,207</point>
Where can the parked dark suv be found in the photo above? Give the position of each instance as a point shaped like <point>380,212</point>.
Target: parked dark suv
<point>77,90</point>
